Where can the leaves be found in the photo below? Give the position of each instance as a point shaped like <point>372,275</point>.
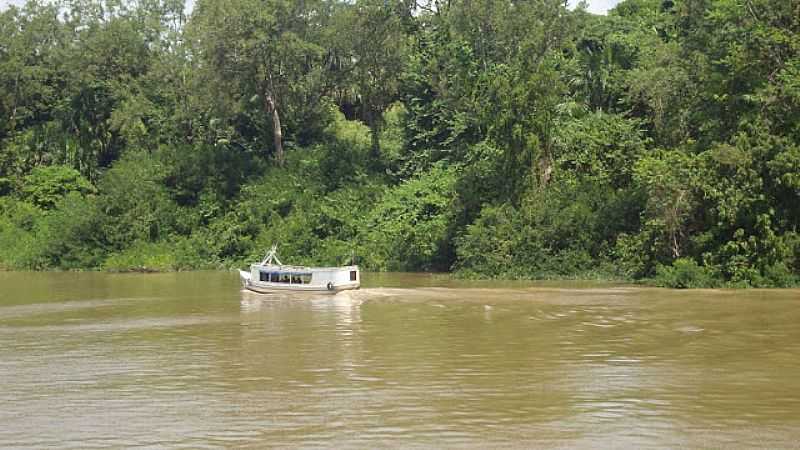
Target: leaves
<point>492,137</point>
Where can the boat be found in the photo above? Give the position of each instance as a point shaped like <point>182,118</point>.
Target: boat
<point>270,276</point>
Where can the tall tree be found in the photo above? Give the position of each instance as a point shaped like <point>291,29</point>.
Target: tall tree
<point>375,56</point>
<point>260,52</point>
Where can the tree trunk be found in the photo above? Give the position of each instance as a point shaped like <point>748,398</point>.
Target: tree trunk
<point>13,120</point>
<point>545,170</point>
<point>546,158</point>
<point>277,131</point>
<point>674,225</point>
<point>375,131</point>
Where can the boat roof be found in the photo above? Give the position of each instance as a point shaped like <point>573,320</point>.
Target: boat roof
<point>302,268</point>
<point>272,255</point>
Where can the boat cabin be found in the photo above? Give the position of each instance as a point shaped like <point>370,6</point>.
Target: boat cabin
<point>304,275</point>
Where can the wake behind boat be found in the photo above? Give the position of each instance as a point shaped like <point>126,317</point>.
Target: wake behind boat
<point>272,276</point>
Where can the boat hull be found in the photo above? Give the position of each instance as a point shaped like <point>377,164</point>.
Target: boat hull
<point>269,289</point>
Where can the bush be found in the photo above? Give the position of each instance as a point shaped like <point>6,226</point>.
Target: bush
<point>343,157</point>
<point>6,186</point>
<point>684,273</point>
<point>68,235</point>
<point>213,170</point>
<point>46,185</point>
<point>489,245</point>
<point>18,221</point>
<point>779,275</point>
<point>143,257</point>
<point>411,227</point>
<point>135,203</point>
<point>565,230</point>
<point>64,237</point>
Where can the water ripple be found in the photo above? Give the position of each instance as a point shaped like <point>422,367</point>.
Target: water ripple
<point>402,367</point>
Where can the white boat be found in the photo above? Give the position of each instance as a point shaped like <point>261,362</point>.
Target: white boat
<point>272,276</point>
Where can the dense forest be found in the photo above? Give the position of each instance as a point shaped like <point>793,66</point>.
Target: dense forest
<point>491,138</point>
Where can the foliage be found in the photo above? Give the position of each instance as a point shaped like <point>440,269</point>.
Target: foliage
<point>343,158</point>
<point>684,273</point>
<point>409,229</point>
<point>67,237</point>
<point>667,180</point>
<point>17,233</point>
<point>45,185</point>
<point>558,232</point>
<point>487,137</point>
<point>142,257</point>
<point>134,203</point>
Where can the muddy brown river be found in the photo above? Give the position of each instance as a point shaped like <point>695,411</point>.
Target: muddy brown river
<point>187,360</point>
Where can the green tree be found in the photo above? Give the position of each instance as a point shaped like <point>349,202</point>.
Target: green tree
<point>373,58</point>
<point>46,185</point>
<point>261,53</point>
<point>668,179</point>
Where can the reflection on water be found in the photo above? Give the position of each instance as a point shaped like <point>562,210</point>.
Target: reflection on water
<point>187,360</point>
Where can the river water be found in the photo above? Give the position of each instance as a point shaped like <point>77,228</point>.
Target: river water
<point>92,360</point>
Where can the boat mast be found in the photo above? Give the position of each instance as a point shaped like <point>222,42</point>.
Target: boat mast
<point>272,256</point>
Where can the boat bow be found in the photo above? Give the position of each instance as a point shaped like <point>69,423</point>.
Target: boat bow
<point>244,277</point>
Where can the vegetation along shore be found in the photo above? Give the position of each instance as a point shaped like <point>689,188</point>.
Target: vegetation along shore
<point>488,138</point>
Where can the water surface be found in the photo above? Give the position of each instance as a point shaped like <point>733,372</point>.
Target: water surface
<point>93,360</point>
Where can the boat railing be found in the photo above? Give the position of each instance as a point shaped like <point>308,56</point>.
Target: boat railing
<point>305,268</point>
<point>271,260</point>
<point>272,255</point>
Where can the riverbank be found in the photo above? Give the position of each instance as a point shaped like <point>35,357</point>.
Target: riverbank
<point>498,156</point>
<point>676,278</point>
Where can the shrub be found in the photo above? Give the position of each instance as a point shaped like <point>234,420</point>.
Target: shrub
<point>488,246</point>
<point>63,237</point>
<point>134,202</point>
<point>565,230</point>
<point>69,237</point>
<point>779,275</point>
<point>46,185</point>
<point>343,157</point>
<point>411,227</point>
<point>143,257</point>
<point>18,221</point>
<point>684,273</point>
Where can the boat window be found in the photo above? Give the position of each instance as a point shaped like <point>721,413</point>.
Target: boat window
<point>353,275</point>
<point>286,277</point>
